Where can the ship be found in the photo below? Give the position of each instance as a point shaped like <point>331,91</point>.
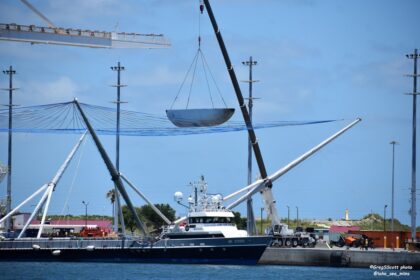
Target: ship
<point>207,235</point>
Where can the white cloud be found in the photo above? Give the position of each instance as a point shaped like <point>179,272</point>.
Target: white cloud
<point>159,76</point>
<point>61,90</point>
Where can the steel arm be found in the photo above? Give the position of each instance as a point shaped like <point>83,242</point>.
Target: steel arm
<point>273,177</point>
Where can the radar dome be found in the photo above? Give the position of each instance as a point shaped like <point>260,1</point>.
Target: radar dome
<point>178,196</point>
<point>216,198</point>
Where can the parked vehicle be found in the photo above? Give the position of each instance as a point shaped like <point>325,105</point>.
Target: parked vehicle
<point>285,237</point>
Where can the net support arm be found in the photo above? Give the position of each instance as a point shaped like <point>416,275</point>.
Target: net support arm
<point>115,175</point>
<point>291,165</point>
<point>157,211</point>
<point>24,202</point>
<point>50,188</point>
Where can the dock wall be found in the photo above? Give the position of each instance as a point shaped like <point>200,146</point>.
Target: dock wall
<point>339,257</point>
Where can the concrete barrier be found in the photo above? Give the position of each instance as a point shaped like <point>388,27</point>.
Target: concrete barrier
<point>339,257</point>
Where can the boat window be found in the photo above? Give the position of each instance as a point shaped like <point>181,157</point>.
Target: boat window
<point>210,220</point>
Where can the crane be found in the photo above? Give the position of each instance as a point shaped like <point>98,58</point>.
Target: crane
<point>77,37</point>
<point>264,185</point>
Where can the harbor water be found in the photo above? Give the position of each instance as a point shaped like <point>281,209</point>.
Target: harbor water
<point>122,271</point>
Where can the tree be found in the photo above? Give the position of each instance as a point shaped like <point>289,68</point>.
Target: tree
<point>239,221</point>
<point>129,221</point>
<point>153,219</point>
<point>111,196</point>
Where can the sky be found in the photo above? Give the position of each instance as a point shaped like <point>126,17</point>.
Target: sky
<point>317,60</point>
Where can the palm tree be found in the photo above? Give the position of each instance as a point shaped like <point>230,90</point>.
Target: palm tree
<point>111,196</point>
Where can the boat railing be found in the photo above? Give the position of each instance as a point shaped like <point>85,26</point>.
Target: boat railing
<point>209,208</point>
<point>74,243</point>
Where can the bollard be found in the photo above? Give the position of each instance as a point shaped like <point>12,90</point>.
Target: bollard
<point>398,241</point>
<point>385,242</point>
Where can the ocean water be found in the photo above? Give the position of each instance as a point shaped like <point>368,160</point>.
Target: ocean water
<point>122,271</point>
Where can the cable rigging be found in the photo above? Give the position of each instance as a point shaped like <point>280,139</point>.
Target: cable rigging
<point>200,117</point>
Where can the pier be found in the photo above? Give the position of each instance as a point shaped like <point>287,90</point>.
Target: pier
<point>341,257</point>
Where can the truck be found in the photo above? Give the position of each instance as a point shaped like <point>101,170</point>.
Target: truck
<point>285,237</point>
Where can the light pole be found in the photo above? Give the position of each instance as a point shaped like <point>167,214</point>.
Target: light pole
<point>297,216</point>
<point>118,211</point>
<point>288,214</point>
<point>261,225</point>
<point>393,143</point>
<point>250,63</point>
<point>9,72</point>
<point>250,215</point>
<point>86,205</point>
<point>385,217</point>
<point>413,56</point>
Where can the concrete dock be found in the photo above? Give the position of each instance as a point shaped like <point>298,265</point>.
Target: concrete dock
<point>339,257</point>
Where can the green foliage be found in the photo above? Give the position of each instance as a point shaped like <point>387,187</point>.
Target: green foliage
<point>152,220</point>
<point>129,221</point>
<point>111,195</point>
<point>375,221</point>
<point>239,221</point>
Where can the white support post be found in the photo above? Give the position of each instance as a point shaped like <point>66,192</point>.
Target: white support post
<point>247,188</point>
<point>145,199</point>
<point>41,201</point>
<point>180,220</point>
<point>50,189</point>
<point>56,179</point>
<point>23,203</point>
<point>47,204</point>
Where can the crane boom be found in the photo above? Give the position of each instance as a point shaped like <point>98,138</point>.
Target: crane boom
<point>251,133</point>
<point>54,35</point>
<point>265,188</point>
<point>244,110</point>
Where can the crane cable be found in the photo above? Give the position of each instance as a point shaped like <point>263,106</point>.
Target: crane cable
<point>206,70</point>
<point>76,173</point>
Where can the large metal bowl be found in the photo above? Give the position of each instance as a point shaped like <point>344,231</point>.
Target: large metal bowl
<point>199,117</point>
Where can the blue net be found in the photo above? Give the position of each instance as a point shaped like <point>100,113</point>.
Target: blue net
<point>65,118</point>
